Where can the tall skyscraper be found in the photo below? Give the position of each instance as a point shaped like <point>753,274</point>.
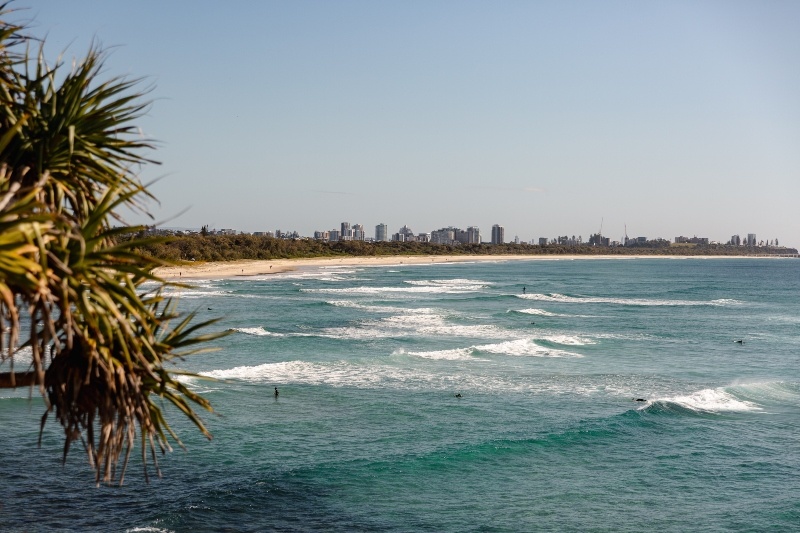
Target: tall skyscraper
<point>473,235</point>
<point>346,233</point>
<point>498,234</point>
<point>381,232</point>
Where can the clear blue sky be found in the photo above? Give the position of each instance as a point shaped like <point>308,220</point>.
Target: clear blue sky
<point>673,117</point>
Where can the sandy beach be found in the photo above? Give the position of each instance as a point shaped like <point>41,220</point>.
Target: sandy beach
<point>232,269</point>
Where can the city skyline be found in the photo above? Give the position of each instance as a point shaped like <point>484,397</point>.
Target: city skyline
<point>662,117</point>
<point>472,235</point>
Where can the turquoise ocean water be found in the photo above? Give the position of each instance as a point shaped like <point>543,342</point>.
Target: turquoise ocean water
<point>368,435</point>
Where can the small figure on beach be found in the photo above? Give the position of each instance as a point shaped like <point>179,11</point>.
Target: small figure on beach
<point>276,393</point>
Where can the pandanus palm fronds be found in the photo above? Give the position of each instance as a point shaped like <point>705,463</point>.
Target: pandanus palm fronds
<point>99,341</point>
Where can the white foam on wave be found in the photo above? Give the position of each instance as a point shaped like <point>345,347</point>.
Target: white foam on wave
<point>381,308</point>
<point>452,355</point>
<point>447,286</point>
<point>337,373</point>
<point>514,347</point>
<point>561,298</point>
<point>523,347</point>
<point>392,376</point>
<point>430,324</point>
<point>464,284</point>
<point>726,301</point>
<point>569,340</point>
<point>333,279</point>
<point>538,312</point>
<point>259,331</point>
<point>204,289</point>
<point>192,293</point>
<point>712,401</point>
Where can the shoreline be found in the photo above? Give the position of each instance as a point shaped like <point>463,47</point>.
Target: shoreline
<point>266,267</point>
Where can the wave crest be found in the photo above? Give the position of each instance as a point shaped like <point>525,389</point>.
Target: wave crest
<point>645,302</point>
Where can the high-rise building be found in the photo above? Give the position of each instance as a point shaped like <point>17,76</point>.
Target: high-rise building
<point>405,230</point>
<point>358,232</point>
<point>347,233</point>
<point>498,234</point>
<point>381,232</point>
<point>444,235</point>
<point>473,235</point>
<point>751,239</point>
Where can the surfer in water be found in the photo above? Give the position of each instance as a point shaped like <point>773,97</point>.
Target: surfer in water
<point>276,393</point>
<point>458,395</point>
<point>639,400</point>
<point>523,289</point>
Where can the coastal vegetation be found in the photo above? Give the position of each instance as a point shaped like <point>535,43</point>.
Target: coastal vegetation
<point>198,247</point>
<point>76,321</point>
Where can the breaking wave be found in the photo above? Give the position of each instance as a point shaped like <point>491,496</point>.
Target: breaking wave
<point>704,401</point>
<point>259,332</point>
<point>561,298</point>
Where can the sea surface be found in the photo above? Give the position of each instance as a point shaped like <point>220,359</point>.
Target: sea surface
<point>548,357</point>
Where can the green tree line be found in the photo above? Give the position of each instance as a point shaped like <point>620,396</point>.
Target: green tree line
<point>239,247</point>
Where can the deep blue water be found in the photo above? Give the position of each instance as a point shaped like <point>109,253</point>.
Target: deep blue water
<point>368,435</point>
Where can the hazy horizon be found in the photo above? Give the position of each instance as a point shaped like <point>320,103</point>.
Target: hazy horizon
<point>672,118</point>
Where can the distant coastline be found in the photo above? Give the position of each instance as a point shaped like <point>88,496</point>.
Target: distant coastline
<point>255,268</point>
<point>185,250</point>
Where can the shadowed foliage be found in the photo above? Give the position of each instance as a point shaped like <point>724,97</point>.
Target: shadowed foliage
<point>198,247</point>
<point>74,312</point>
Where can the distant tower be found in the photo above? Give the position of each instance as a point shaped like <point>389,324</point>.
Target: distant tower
<point>751,239</point>
<point>407,233</point>
<point>473,235</point>
<point>346,233</point>
<point>498,234</point>
<point>381,232</point>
